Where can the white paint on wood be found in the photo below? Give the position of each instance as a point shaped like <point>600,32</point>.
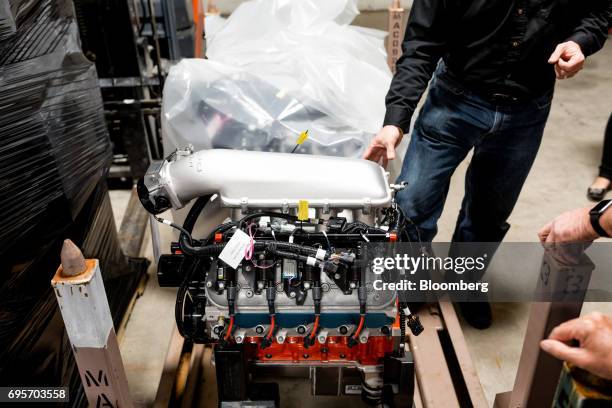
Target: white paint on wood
<point>85,310</point>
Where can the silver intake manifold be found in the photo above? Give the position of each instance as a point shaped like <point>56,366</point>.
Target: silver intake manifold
<point>255,180</point>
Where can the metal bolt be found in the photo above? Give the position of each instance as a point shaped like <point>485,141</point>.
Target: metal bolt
<point>301,329</point>
<point>238,339</point>
<point>342,355</point>
<point>352,285</point>
<point>221,285</point>
<point>280,339</point>
<point>291,294</point>
<point>259,329</point>
<point>343,329</point>
<point>337,276</point>
<point>363,339</point>
<point>268,355</point>
<point>321,339</point>
<point>305,355</point>
<point>306,285</point>
<point>209,284</point>
<point>249,293</point>
<point>260,285</point>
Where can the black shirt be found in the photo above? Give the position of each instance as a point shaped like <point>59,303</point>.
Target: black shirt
<point>490,46</point>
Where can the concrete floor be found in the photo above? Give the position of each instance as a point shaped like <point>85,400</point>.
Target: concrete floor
<point>565,166</point>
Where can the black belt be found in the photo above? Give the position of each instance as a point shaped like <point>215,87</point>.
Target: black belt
<point>504,99</point>
<point>496,98</point>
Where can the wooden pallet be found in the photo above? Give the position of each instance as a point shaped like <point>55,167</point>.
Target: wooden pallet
<point>131,235</point>
<point>189,378</point>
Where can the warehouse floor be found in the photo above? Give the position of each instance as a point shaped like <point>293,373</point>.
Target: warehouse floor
<point>566,164</point>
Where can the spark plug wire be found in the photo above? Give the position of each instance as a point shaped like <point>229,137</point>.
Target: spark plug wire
<point>228,333</point>
<point>272,326</point>
<point>315,327</point>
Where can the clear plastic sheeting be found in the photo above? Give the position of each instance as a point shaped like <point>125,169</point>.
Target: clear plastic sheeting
<point>275,69</point>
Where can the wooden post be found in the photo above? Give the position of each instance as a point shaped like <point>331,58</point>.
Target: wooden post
<point>82,300</point>
<point>559,298</point>
<point>396,33</point>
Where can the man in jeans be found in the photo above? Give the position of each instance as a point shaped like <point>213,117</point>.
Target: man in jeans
<point>496,66</point>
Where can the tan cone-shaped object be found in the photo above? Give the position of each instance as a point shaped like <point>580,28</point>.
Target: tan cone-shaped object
<point>73,262</point>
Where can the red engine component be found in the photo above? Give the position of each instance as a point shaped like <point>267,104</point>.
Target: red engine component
<point>335,349</point>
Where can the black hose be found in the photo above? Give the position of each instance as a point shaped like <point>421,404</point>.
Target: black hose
<point>285,249</point>
<point>402,324</point>
<point>270,214</point>
<point>188,225</point>
<point>195,211</point>
<point>180,301</point>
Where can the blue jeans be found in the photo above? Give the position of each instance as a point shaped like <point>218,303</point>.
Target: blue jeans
<point>505,140</point>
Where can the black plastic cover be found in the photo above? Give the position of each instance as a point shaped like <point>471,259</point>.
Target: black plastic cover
<point>54,155</point>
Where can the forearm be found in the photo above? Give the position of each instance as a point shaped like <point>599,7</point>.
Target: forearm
<point>407,87</point>
<point>424,43</point>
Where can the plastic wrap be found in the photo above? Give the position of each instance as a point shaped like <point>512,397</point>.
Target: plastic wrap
<point>7,21</point>
<point>54,155</point>
<point>301,66</point>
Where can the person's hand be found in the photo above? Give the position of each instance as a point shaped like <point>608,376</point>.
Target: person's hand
<point>571,226</point>
<point>568,59</point>
<point>383,145</point>
<point>594,333</point>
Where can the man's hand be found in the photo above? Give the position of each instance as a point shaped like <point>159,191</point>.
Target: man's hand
<point>568,59</point>
<point>383,145</point>
<point>594,332</point>
<point>571,226</point>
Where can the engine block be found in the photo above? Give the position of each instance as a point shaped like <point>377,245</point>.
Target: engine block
<point>285,275</point>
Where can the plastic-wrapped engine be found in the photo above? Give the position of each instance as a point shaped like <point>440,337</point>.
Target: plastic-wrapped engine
<point>285,275</point>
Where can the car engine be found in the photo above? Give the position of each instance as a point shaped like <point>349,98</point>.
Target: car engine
<point>285,277</point>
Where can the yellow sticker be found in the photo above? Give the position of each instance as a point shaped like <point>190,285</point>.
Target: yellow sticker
<point>302,214</point>
<point>302,138</point>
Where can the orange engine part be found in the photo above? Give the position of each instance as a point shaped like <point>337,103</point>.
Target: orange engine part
<point>336,349</point>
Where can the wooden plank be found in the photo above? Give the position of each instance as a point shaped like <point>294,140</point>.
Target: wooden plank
<point>468,370</point>
<point>133,226</point>
<point>208,395</point>
<point>131,236</point>
<point>432,373</point>
<point>417,396</point>
<point>168,376</point>
<point>192,385</point>
<point>142,284</point>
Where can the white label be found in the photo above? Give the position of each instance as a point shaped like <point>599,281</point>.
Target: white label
<point>289,269</point>
<point>352,389</point>
<point>321,254</point>
<point>233,253</point>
